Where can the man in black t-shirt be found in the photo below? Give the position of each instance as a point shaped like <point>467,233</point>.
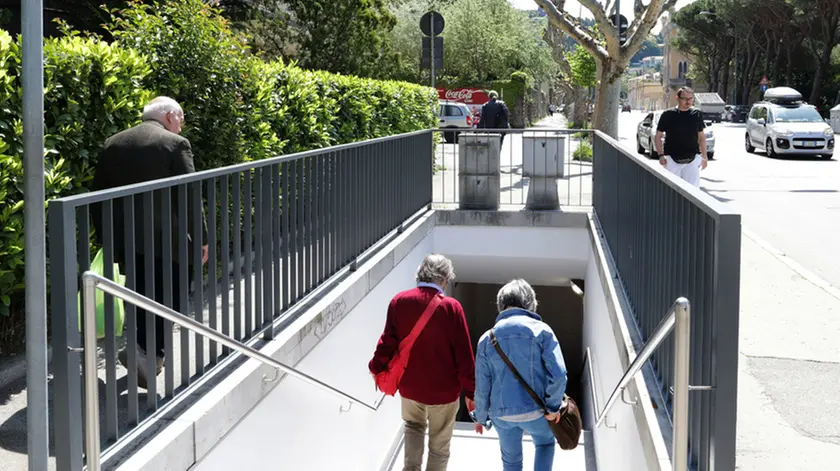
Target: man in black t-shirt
<point>684,152</point>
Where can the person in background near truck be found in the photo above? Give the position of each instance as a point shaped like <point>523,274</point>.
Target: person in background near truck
<point>495,114</point>
<point>684,152</point>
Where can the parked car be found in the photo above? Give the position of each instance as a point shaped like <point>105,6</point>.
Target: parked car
<point>454,114</point>
<point>736,113</point>
<point>646,132</point>
<point>626,108</point>
<point>784,124</point>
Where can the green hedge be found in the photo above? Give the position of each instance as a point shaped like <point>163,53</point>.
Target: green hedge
<point>237,107</point>
<point>92,90</point>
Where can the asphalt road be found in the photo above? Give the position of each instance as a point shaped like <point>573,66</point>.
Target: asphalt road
<point>792,203</point>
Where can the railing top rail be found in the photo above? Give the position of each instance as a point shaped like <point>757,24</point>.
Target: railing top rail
<point>129,190</point>
<point>150,305</point>
<point>700,198</point>
<point>514,130</point>
<point>656,339</point>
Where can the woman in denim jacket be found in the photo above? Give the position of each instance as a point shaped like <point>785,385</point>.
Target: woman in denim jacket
<point>500,399</point>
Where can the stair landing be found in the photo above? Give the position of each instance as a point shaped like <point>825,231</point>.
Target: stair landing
<point>470,451</point>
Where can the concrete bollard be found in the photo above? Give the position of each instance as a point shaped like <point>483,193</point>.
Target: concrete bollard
<point>543,162</point>
<point>479,172</point>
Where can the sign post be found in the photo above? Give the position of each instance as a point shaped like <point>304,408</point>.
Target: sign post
<point>764,84</point>
<point>34,220</point>
<point>431,25</point>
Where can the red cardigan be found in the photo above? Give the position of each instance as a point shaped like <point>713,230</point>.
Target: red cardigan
<point>441,363</point>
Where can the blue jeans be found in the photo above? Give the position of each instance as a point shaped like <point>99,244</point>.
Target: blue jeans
<point>510,440</point>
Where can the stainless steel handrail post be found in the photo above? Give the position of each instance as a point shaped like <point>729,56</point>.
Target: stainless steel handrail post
<point>682,354</point>
<point>650,347</point>
<point>679,320</point>
<point>91,282</point>
<point>91,377</point>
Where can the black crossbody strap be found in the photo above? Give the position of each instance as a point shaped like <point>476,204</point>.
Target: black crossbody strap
<point>534,396</point>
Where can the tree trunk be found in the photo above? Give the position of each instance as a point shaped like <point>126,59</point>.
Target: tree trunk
<point>823,63</point>
<point>580,107</point>
<point>607,101</point>
<point>724,77</point>
<point>789,65</point>
<point>776,73</point>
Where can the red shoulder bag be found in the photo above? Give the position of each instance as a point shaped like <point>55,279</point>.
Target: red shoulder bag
<point>388,381</point>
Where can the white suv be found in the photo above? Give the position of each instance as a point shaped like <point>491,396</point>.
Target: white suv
<point>453,114</point>
<point>784,124</point>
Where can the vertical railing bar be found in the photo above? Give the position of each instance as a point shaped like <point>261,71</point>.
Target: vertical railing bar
<point>248,252</point>
<point>237,214</point>
<point>198,271</point>
<point>184,280</point>
<point>111,409</point>
<point>212,267</point>
<point>285,263</point>
<point>267,252</point>
<point>295,226</point>
<point>149,319</point>
<point>130,312</point>
<point>259,288</point>
<point>67,386</point>
<point>170,270</point>
<point>224,183</point>
<point>308,240</point>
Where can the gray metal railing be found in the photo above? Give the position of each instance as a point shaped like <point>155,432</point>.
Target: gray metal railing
<point>276,230</point>
<point>678,319</point>
<point>574,187</point>
<point>91,282</point>
<point>670,239</point>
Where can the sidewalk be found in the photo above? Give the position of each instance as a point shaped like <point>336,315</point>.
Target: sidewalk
<point>789,367</point>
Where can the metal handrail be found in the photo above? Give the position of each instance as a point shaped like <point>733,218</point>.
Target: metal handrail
<point>91,281</point>
<point>679,317</point>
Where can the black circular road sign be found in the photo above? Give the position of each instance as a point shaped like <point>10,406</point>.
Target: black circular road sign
<point>431,24</point>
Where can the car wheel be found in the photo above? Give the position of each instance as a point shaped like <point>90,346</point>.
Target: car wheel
<point>828,156</point>
<point>748,144</point>
<point>639,148</point>
<point>711,155</point>
<point>449,137</point>
<point>653,153</point>
<point>768,148</point>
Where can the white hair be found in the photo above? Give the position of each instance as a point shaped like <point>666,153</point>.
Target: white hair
<point>517,293</point>
<point>158,108</point>
<point>435,269</point>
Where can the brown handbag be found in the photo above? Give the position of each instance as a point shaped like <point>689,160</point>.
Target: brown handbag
<point>568,429</point>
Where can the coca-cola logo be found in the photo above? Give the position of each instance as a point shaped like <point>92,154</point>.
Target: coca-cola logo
<point>464,95</point>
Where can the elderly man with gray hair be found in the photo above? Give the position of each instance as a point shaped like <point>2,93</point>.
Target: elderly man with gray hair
<point>440,366</point>
<point>149,151</point>
<point>500,398</point>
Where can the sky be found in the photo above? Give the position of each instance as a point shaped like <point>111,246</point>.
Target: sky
<point>573,7</point>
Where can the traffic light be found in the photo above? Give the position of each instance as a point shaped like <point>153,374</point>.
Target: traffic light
<point>622,30</point>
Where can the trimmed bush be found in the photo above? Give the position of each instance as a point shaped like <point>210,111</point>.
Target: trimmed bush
<point>92,90</point>
<point>583,153</point>
<point>237,107</point>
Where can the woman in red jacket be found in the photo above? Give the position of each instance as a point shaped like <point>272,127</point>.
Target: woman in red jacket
<point>440,366</point>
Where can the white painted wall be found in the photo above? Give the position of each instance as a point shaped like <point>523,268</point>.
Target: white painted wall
<point>629,438</point>
<point>299,426</point>
<point>497,254</point>
<point>598,336</point>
